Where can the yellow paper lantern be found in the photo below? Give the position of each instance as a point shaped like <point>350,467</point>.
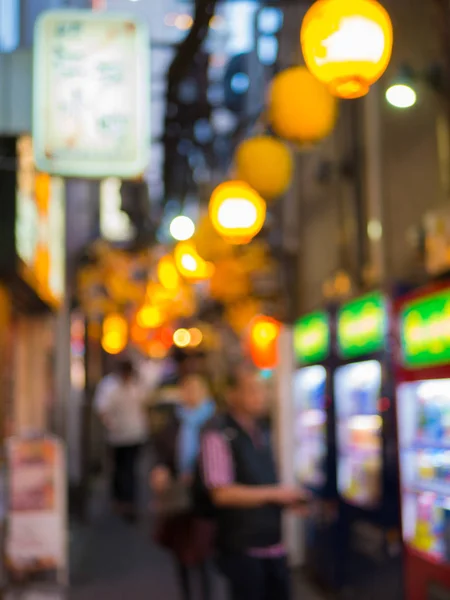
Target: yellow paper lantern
<point>168,274</point>
<point>149,317</point>
<point>115,333</point>
<point>209,244</point>
<point>237,212</point>
<point>190,264</point>
<point>301,109</point>
<point>265,163</point>
<point>347,44</point>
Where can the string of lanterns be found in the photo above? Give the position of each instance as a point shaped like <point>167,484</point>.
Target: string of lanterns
<point>347,46</point>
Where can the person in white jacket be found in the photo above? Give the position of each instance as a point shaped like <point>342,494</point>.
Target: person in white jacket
<point>120,402</point>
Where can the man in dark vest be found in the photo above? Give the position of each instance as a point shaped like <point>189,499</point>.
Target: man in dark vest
<point>240,473</point>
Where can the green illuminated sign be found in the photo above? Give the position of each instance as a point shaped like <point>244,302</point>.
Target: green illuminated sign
<point>425,331</point>
<point>312,338</point>
<point>361,327</point>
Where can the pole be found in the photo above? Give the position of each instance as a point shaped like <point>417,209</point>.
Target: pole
<point>443,116</point>
<point>374,185</point>
<point>284,432</point>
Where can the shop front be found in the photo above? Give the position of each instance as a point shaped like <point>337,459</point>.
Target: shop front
<point>32,272</point>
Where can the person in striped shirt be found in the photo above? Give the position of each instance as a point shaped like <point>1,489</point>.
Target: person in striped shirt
<point>238,470</point>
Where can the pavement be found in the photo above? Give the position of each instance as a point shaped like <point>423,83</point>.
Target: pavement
<point>113,560</point>
<point>116,561</point>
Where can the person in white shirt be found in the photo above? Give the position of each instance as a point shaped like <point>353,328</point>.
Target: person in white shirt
<point>120,400</point>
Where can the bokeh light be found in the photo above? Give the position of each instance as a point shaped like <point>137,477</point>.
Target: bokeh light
<point>196,337</point>
<point>149,317</point>
<point>401,95</point>
<point>167,273</point>
<point>181,338</point>
<point>182,228</point>
<point>115,334</point>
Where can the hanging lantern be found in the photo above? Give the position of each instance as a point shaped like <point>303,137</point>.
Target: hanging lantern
<point>264,333</point>
<point>237,212</point>
<point>115,334</point>
<point>168,274</point>
<point>347,44</point>
<point>208,242</point>
<point>190,264</point>
<point>301,109</point>
<point>149,317</point>
<point>265,163</point>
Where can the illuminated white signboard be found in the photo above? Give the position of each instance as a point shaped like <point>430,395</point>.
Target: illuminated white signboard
<point>91,94</point>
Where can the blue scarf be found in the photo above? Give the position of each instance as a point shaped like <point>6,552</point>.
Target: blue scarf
<point>192,421</point>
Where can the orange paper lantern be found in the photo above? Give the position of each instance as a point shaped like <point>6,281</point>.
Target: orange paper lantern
<point>263,342</point>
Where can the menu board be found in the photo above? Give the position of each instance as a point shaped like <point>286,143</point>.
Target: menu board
<point>40,226</point>
<point>91,94</point>
<point>36,541</point>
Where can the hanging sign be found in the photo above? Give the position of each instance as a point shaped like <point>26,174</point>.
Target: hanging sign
<point>312,338</point>
<point>425,331</point>
<point>91,94</point>
<point>362,326</point>
<point>36,543</point>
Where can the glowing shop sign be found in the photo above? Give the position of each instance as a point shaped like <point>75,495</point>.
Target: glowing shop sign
<point>312,338</point>
<point>362,325</point>
<point>425,331</point>
<point>91,94</point>
<point>40,233</point>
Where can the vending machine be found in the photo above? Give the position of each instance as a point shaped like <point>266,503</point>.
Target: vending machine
<point>314,443</point>
<point>423,393</point>
<point>367,467</point>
